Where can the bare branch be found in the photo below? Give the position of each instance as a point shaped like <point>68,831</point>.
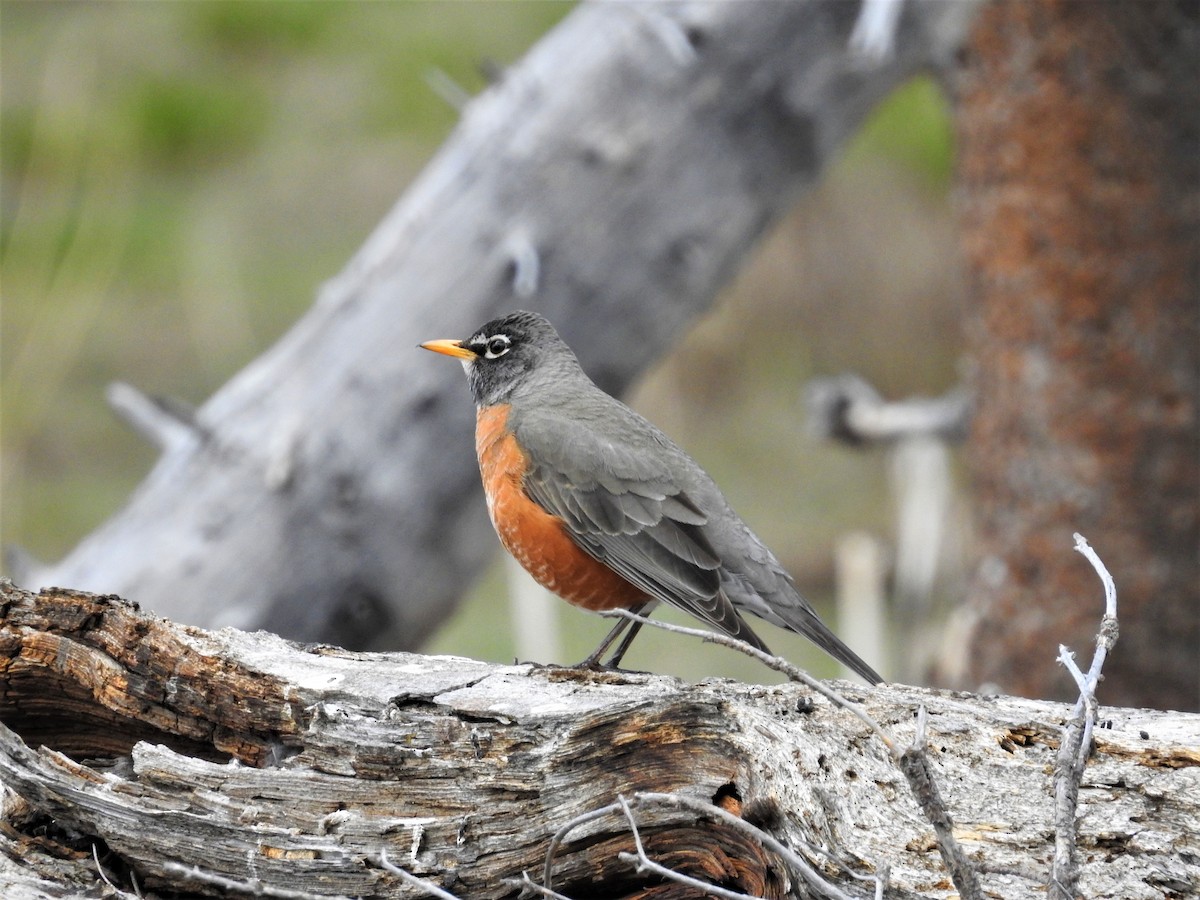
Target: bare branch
<point>778,663</point>
<point>914,763</point>
<point>104,876</point>
<point>557,838</point>
<point>847,408</point>
<point>881,878</point>
<point>455,95</point>
<point>167,424</point>
<point>645,864</point>
<point>528,884</point>
<point>1067,658</point>
<point>1076,745</point>
<point>1107,636</point>
<point>798,863</point>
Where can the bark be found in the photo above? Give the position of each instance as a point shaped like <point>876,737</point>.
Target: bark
<point>613,180</point>
<point>1080,180</point>
<point>199,761</point>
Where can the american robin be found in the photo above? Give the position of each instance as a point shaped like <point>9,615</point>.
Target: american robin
<point>604,509</point>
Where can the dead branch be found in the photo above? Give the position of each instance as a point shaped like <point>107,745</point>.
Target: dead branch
<point>1076,746</point>
<point>848,408</point>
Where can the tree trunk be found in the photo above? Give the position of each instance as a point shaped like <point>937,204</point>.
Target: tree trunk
<point>1080,179</point>
<point>233,763</point>
<point>613,180</point>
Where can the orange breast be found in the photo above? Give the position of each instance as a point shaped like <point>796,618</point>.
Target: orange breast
<point>536,539</point>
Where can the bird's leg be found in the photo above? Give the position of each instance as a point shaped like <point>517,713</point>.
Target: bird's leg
<point>593,660</point>
<point>614,661</point>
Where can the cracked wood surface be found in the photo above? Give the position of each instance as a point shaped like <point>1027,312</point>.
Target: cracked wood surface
<point>177,751</point>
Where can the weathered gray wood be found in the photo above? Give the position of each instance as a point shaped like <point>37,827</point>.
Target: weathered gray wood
<point>461,770</point>
<point>613,179</point>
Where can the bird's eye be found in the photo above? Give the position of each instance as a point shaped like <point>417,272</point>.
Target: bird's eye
<point>497,346</point>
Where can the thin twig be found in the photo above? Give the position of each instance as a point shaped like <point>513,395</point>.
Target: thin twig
<point>454,94</point>
<point>800,865</point>
<point>1067,659</point>
<point>527,883</point>
<point>409,878</point>
<point>789,856</point>
<point>645,864</point>
<point>881,879</point>
<point>104,876</point>
<point>1076,744</point>
<point>914,763</point>
<point>167,424</point>
<point>100,868</point>
<point>558,836</point>
<point>1110,587</point>
<point>778,663</point>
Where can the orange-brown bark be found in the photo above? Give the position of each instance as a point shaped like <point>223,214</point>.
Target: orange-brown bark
<point>1081,205</point>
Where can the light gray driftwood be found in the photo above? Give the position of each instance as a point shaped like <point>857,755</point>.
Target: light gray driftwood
<point>613,179</point>
<point>225,759</point>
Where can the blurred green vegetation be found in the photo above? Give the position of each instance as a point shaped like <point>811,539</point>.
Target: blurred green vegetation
<point>913,129</point>
<point>176,179</point>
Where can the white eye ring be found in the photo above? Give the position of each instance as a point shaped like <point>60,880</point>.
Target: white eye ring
<point>496,346</point>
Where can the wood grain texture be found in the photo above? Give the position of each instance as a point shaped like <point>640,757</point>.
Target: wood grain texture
<point>251,758</point>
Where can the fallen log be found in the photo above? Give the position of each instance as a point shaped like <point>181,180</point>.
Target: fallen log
<point>138,751</point>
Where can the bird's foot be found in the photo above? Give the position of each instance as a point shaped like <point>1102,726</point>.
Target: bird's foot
<point>605,668</point>
<point>536,665</point>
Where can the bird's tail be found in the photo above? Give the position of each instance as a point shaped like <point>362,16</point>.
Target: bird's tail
<point>784,607</point>
<point>805,621</point>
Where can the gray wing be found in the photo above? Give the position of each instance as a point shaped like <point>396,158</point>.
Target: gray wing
<point>623,507</point>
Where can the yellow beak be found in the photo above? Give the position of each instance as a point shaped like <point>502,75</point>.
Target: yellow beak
<point>449,348</point>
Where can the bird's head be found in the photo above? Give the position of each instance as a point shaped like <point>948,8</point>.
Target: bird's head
<point>508,354</point>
